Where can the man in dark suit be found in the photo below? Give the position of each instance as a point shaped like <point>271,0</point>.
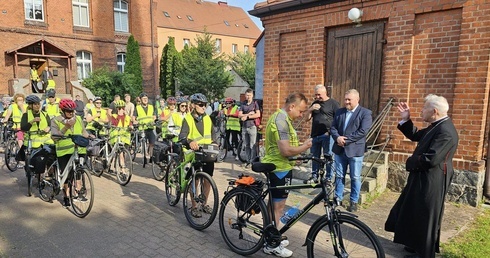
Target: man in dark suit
<point>349,129</point>
<point>417,215</point>
<point>45,76</point>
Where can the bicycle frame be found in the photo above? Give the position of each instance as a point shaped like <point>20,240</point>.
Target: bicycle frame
<point>74,160</point>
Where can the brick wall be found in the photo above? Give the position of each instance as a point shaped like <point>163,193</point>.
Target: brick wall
<point>439,47</point>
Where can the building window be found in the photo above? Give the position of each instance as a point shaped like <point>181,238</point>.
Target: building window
<point>166,14</point>
<point>80,13</point>
<point>218,45</point>
<point>34,10</point>
<point>226,23</point>
<point>234,48</point>
<point>84,64</point>
<point>245,48</point>
<point>190,18</point>
<point>121,62</point>
<point>187,42</point>
<point>121,16</point>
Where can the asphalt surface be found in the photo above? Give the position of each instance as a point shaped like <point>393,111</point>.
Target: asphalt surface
<point>136,221</point>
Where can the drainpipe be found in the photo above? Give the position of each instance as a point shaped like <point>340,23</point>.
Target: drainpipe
<point>152,50</point>
<point>486,186</point>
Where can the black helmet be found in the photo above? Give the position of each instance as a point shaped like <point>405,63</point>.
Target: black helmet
<point>51,93</point>
<point>198,97</point>
<point>31,99</point>
<point>143,95</point>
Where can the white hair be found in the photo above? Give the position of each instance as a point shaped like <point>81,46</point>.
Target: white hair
<point>438,102</point>
<point>319,87</point>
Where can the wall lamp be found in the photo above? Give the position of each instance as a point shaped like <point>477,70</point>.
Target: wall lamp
<point>355,15</point>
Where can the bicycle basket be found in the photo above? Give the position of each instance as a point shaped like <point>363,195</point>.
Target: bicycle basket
<point>208,153</point>
<point>244,202</point>
<point>80,140</point>
<point>94,146</point>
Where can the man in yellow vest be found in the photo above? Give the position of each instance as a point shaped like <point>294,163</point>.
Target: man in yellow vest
<point>34,79</point>
<point>145,115</point>
<point>67,123</point>
<point>51,104</point>
<point>16,110</point>
<point>175,121</point>
<point>197,130</point>
<point>97,116</point>
<point>281,142</point>
<point>233,128</point>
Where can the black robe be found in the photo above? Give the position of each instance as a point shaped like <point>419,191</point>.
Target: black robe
<point>417,215</point>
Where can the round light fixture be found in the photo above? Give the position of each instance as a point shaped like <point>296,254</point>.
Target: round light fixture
<point>355,14</point>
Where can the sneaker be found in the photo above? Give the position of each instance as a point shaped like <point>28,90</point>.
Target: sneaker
<point>236,158</point>
<point>284,243</point>
<point>280,251</point>
<point>312,180</point>
<point>206,209</point>
<point>352,207</point>
<point>66,201</point>
<point>195,212</point>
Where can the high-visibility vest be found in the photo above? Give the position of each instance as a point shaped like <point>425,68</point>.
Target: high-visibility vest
<point>36,139</point>
<point>233,123</point>
<point>177,119</point>
<point>34,75</point>
<point>125,134</point>
<point>16,115</point>
<point>145,118</point>
<point>272,154</point>
<point>66,146</point>
<point>195,135</point>
<point>103,116</point>
<point>53,110</point>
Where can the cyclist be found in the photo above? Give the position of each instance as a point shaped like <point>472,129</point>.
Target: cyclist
<point>175,121</point>
<point>164,113</point>
<point>51,104</point>
<point>197,129</point>
<point>281,142</point>
<point>16,110</point>
<point>67,123</point>
<point>145,114</point>
<point>232,124</point>
<point>96,116</point>
<point>120,120</point>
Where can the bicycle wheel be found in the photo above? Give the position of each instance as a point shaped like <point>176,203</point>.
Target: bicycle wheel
<point>144,150</point>
<point>133,148</point>
<point>159,171</point>
<point>10,153</point>
<point>81,193</point>
<point>46,187</point>
<point>201,201</point>
<point>172,183</point>
<point>123,166</point>
<point>97,164</point>
<point>353,239</point>
<point>222,148</point>
<point>241,152</point>
<point>242,231</point>
<point>29,176</point>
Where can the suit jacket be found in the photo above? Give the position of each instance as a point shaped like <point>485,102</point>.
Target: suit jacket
<point>359,124</point>
<point>417,215</point>
<point>45,76</point>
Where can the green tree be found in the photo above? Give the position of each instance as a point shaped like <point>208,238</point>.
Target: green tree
<point>168,66</point>
<point>203,70</point>
<point>106,83</point>
<point>133,64</point>
<point>243,63</point>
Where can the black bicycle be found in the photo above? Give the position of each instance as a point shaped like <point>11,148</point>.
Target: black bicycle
<point>245,224</point>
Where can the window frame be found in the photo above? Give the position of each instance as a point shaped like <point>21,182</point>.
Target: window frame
<point>121,11</point>
<point>122,63</point>
<point>80,4</point>
<point>82,73</point>
<point>218,46</point>
<point>186,42</point>
<point>33,4</point>
<point>246,48</point>
<point>234,48</point>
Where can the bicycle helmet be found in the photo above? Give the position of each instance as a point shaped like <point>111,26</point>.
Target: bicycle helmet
<point>229,100</point>
<point>67,105</point>
<point>120,104</point>
<point>97,99</point>
<point>198,98</point>
<point>51,93</point>
<point>181,100</point>
<point>143,95</point>
<point>32,99</point>
<point>171,100</point>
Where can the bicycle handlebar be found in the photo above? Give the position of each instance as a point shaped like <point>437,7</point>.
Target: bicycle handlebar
<point>326,158</point>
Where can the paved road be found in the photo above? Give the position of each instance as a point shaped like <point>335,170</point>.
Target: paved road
<point>129,221</point>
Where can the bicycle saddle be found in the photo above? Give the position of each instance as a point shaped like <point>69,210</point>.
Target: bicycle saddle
<point>263,167</point>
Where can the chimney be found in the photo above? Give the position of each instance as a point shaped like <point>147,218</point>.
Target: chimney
<point>223,3</point>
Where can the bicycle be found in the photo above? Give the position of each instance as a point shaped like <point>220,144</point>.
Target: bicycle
<point>30,153</point>
<point>246,224</point>
<point>188,177</point>
<point>163,153</point>
<point>222,141</point>
<point>81,187</point>
<point>12,147</point>
<point>118,158</point>
<point>139,143</point>
<point>259,148</point>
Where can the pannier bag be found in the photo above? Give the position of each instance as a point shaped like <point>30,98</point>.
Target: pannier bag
<point>244,202</point>
<point>94,146</point>
<point>159,151</point>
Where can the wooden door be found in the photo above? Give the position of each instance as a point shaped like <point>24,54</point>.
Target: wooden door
<point>354,56</point>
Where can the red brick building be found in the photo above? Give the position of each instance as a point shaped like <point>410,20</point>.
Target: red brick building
<point>404,49</point>
<point>73,38</point>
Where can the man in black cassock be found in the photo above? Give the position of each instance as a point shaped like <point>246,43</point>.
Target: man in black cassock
<point>417,215</point>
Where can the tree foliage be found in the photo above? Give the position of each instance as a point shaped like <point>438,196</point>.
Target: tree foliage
<point>243,63</point>
<point>203,70</point>
<point>133,64</point>
<point>169,64</point>
<point>106,83</point>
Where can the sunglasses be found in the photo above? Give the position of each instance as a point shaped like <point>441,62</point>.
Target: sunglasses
<point>98,102</point>
<point>120,108</point>
<point>69,111</point>
<point>183,105</point>
<point>201,104</point>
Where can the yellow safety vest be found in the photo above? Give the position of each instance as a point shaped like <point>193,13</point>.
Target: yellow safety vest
<point>177,119</point>
<point>145,118</point>
<point>272,154</point>
<point>125,134</point>
<point>66,146</point>
<point>38,140</point>
<point>53,110</point>
<point>34,75</point>
<point>194,134</point>
<point>103,116</point>
<point>16,115</point>
<point>233,123</point>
